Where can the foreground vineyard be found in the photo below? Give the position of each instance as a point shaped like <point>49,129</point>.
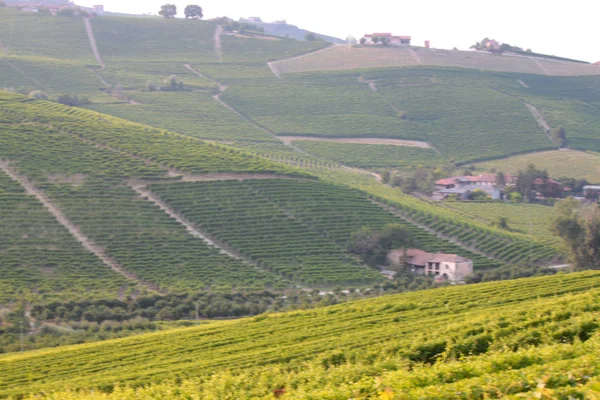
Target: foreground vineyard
<point>484,341</point>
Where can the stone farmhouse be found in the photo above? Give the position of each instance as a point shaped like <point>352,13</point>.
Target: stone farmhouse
<point>391,39</point>
<point>450,267</point>
<point>463,186</point>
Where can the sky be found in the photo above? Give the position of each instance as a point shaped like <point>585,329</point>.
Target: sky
<point>563,28</point>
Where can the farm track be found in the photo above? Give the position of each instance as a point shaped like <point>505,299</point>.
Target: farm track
<point>541,66</point>
<point>100,77</point>
<point>415,56</point>
<point>390,142</point>
<point>86,242</point>
<point>217,42</point>
<point>373,86</point>
<point>93,44</point>
<point>273,67</point>
<point>410,220</point>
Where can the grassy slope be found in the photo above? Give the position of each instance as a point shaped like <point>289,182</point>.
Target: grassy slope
<point>572,164</point>
<point>520,325</point>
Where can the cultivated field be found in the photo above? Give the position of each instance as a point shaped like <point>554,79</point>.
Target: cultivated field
<point>343,57</point>
<point>559,163</point>
<point>498,339</point>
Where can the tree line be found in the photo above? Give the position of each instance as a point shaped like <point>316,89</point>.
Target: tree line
<point>192,11</point>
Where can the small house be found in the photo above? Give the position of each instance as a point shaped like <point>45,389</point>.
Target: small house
<point>379,38</point>
<point>450,267</point>
<point>30,9</point>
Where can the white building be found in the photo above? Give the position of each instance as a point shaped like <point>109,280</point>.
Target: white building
<point>450,267</point>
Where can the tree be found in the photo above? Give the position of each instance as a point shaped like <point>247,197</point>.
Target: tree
<point>168,11</point>
<point>500,180</point>
<point>559,136</point>
<point>363,40</point>
<point>373,246</point>
<point>375,39</point>
<point>310,37</point>
<point>193,11</point>
<point>526,181</point>
<point>578,227</point>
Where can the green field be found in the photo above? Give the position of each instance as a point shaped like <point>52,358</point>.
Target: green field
<point>571,164</point>
<point>530,219</point>
<point>372,156</point>
<point>495,339</point>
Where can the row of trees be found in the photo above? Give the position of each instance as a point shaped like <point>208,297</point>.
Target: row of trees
<point>192,11</point>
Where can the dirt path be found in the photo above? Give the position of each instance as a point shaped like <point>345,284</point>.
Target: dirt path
<point>217,41</point>
<point>222,87</point>
<point>415,56</point>
<point>100,78</point>
<point>187,177</point>
<point>541,66</point>
<point>428,229</point>
<point>540,119</point>
<point>93,45</point>
<point>522,83</point>
<point>86,242</point>
<point>189,226</point>
<point>391,142</point>
<point>273,64</point>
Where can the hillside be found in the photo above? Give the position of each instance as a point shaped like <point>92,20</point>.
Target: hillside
<point>527,336</point>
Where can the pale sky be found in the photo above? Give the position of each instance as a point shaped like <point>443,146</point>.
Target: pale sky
<point>563,28</point>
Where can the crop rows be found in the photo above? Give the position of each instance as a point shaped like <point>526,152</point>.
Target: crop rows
<point>238,214</point>
<point>169,149</point>
<point>87,183</point>
<point>343,108</point>
<point>38,257</point>
<point>472,333</point>
<point>329,213</point>
<point>371,155</point>
<point>205,118</point>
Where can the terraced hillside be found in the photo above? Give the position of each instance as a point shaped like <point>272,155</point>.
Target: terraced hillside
<point>529,337</point>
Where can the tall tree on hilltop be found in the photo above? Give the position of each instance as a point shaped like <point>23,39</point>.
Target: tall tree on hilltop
<point>168,11</point>
<point>193,11</point>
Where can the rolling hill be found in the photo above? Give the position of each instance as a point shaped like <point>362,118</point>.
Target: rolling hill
<point>201,174</point>
<point>496,340</point>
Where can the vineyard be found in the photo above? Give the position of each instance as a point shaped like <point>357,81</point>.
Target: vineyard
<point>371,156</point>
<point>254,218</point>
<point>40,260</point>
<point>559,163</point>
<point>481,341</point>
<point>510,247</point>
<point>306,224</point>
<point>530,219</point>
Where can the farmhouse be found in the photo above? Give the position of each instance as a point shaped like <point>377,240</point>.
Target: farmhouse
<point>449,267</point>
<point>463,186</point>
<point>376,38</point>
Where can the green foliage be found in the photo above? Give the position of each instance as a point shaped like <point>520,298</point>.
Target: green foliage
<point>374,245</point>
<point>193,11</point>
<point>371,156</point>
<point>168,11</point>
<point>500,338</point>
<point>293,228</point>
<point>71,100</point>
<point>578,227</point>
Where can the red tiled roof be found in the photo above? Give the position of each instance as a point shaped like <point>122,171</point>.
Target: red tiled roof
<point>447,258</point>
<point>446,181</point>
<point>417,257</point>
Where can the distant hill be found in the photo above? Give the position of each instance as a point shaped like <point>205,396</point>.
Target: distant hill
<point>292,31</point>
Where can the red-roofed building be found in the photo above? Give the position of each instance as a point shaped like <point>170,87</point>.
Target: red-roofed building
<point>597,63</point>
<point>462,186</point>
<point>392,40</point>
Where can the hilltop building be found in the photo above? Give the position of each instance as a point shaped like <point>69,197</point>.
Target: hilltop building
<point>370,39</point>
<point>463,186</point>
<point>98,9</point>
<point>449,267</point>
